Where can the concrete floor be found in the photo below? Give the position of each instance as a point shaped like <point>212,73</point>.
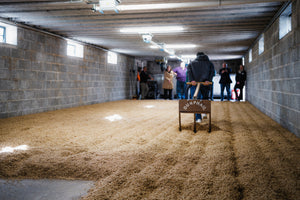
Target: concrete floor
<point>43,189</point>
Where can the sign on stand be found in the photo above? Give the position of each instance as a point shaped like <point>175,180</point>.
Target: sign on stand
<point>197,107</point>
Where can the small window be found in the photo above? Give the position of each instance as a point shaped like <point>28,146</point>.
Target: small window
<point>250,55</point>
<point>74,49</point>
<point>243,61</point>
<point>112,58</point>
<point>261,44</point>
<point>2,34</point>
<point>285,22</point>
<point>8,34</point>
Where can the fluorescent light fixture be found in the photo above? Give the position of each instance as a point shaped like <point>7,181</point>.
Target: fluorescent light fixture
<point>166,5</point>
<point>189,56</point>
<point>213,57</point>
<point>175,56</point>
<point>223,57</point>
<point>152,29</point>
<point>176,46</point>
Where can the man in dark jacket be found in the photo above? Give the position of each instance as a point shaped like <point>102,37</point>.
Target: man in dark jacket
<point>201,70</point>
<point>144,82</point>
<point>240,79</point>
<point>225,81</point>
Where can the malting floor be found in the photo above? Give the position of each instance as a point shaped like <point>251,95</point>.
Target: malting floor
<point>134,150</point>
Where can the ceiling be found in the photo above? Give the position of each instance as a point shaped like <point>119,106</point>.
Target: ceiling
<point>223,29</point>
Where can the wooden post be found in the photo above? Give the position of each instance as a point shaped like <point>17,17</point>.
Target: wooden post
<point>196,91</point>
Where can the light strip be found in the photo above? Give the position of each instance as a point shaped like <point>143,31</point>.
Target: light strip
<point>211,3</point>
<point>166,5</point>
<point>155,29</point>
<point>176,46</point>
<point>213,57</point>
<point>189,56</point>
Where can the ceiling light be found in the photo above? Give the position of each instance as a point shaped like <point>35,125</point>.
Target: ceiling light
<point>189,56</point>
<point>177,46</point>
<point>167,5</point>
<point>175,56</point>
<point>155,29</point>
<point>213,57</point>
<point>224,57</point>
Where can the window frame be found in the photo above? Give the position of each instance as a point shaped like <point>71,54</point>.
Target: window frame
<point>10,34</point>
<point>250,55</point>
<point>77,49</point>
<point>285,22</point>
<point>4,34</point>
<point>112,57</point>
<point>261,44</point>
<point>73,52</point>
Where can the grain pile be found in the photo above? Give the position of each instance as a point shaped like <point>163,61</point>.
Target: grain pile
<point>142,154</point>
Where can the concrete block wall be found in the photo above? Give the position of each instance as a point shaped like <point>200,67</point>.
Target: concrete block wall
<point>37,75</point>
<point>274,76</point>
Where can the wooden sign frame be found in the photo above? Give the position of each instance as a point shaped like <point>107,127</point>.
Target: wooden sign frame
<point>195,106</point>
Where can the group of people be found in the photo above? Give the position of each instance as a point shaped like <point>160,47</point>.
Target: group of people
<point>225,82</point>
<point>199,70</point>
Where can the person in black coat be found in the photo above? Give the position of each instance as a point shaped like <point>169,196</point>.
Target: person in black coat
<point>240,79</point>
<point>144,82</point>
<point>200,70</point>
<point>225,81</point>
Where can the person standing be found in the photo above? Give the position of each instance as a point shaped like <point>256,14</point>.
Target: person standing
<point>138,80</point>
<point>240,79</point>
<point>168,82</point>
<point>144,82</point>
<point>225,81</point>
<point>201,70</point>
<point>181,78</point>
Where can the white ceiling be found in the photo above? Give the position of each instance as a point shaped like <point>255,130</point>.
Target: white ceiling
<point>222,29</point>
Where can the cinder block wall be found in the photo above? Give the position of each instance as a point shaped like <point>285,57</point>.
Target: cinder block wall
<point>37,75</point>
<point>273,83</point>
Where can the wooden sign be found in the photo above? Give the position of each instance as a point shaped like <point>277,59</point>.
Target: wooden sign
<point>192,106</point>
<point>195,106</point>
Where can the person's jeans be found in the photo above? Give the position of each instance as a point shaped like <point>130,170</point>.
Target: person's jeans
<point>203,94</point>
<point>238,97</point>
<point>211,93</point>
<point>227,86</point>
<point>144,90</point>
<point>180,89</point>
